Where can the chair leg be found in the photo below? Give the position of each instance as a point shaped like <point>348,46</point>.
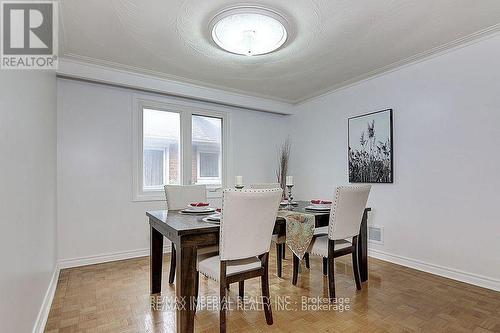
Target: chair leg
<point>222,300</point>
<point>283,246</point>
<point>306,257</point>
<point>295,275</point>
<point>241,287</point>
<point>325,266</point>
<point>279,258</point>
<point>196,290</point>
<point>331,271</point>
<point>355,266</point>
<point>266,298</point>
<point>171,276</point>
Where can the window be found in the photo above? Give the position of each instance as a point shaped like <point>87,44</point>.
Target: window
<point>161,153</point>
<point>207,150</point>
<point>177,145</point>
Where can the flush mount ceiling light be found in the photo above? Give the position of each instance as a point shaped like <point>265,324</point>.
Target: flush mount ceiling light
<point>249,30</point>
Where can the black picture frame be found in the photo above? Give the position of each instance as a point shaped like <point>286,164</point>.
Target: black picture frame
<point>376,165</point>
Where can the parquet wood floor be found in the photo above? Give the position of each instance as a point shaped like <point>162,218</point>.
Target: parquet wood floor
<point>114,297</point>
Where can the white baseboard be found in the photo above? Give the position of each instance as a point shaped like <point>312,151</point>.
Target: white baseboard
<point>102,258</point>
<point>43,314</point>
<point>455,274</point>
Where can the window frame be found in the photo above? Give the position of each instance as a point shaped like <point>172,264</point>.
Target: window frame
<point>186,110</point>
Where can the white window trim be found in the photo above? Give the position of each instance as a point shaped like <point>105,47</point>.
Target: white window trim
<point>186,110</point>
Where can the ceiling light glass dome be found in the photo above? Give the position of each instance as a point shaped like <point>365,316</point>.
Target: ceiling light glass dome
<point>249,30</point>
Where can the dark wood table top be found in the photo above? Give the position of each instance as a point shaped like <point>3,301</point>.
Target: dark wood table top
<point>183,224</point>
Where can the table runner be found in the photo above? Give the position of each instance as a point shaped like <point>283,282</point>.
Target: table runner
<point>299,230</point>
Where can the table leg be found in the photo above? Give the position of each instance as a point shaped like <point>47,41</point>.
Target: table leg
<point>185,288</point>
<point>156,260</point>
<point>363,248</point>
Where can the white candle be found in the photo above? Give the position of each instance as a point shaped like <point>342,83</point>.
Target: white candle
<point>289,180</point>
<point>239,180</point>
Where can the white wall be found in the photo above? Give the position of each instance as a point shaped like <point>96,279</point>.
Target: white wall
<point>97,216</point>
<point>443,206</point>
<point>27,195</point>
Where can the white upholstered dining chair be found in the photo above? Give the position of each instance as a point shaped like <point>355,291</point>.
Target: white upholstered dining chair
<point>279,240</point>
<point>247,223</point>
<point>343,230</point>
<point>179,197</point>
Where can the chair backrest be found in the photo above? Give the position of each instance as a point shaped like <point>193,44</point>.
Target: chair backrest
<point>347,211</point>
<point>247,222</point>
<point>265,185</point>
<point>180,196</point>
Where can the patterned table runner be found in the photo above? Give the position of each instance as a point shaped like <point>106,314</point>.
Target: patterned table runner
<point>299,230</point>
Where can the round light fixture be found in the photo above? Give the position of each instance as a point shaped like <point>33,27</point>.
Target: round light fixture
<point>249,30</point>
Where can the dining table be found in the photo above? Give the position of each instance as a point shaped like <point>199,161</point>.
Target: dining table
<point>188,232</point>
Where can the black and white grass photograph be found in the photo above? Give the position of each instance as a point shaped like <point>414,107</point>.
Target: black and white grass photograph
<point>370,148</point>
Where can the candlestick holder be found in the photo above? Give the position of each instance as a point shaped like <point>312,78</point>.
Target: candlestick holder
<point>290,197</point>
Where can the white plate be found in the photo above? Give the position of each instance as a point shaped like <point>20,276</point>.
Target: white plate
<point>284,203</point>
<point>205,219</point>
<point>319,209</point>
<point>206,210</point>
<point>322,206</point>
<point>215,217</point>
<point>198,208</point>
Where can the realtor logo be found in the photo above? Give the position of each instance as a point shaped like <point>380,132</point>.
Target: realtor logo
<point>29,35</point>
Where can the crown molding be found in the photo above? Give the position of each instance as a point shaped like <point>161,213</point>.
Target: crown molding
<point>440,50</point>
<point>101,71</point>
<point>134,79</point>
<point>163,75</point>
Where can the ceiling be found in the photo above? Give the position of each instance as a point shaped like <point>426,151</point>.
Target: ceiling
<point>334,42</point>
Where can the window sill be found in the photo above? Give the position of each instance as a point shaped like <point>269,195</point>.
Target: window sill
<point>213,192</point>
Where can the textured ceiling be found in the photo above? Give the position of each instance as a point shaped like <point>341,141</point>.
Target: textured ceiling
<point>334,42</point>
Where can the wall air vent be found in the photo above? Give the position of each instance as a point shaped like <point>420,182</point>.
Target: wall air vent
<point>376,234</point>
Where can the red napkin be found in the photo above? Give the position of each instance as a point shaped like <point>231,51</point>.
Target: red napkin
<point>321,202</point>
<point>218,210</point>
<point>199,204</point>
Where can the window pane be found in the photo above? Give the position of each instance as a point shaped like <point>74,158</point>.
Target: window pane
<point>209,164</point>
<point>161,146</point>
<point>153,168</point>
<point>207,150</point>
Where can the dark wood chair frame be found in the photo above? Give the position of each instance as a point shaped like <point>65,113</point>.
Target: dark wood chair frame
<point>329,264</point>
<point>280,256</point>
<point>225,281</point>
